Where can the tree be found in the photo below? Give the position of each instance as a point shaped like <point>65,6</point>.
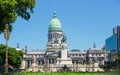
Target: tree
<point>117,61</point>
<point>118,56</point>
<point>11,9</point>
<point>14,56</point>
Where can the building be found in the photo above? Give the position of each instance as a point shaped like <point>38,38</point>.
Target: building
<point>113,44</point>
<point>56,42</point>
<point>77,56</point>
<point>116,31</point>
<point>96,55</point>
<point>56,56</point>
<point>89,56</point>
<point>118,38</point>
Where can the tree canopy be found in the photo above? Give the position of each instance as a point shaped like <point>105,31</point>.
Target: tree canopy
<point>11,9</point>
<point>14,56</point>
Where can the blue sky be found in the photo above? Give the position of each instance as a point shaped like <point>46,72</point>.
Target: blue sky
<point>84,22</point>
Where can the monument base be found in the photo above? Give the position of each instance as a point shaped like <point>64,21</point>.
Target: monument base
<point>96,64</point>
<point>64,61</point>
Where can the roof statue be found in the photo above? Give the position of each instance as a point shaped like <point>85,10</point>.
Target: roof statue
<point>17,45</point>
<point>94,45</point>
<point>64,39</point>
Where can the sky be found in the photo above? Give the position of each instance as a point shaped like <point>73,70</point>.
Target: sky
<point>83,21</point>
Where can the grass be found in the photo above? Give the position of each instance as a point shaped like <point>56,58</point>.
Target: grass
<point>64,73</point>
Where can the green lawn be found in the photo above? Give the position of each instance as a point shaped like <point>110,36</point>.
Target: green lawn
<point>65,73</point>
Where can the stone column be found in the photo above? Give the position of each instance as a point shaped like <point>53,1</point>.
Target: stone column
<point>102,62</point>
<point>40,62</point>
<point>23,64</point>
<point>29,63</point>
<point>55,61</point>
<point>51,60</point>
<point>48,61</point>
<point>37,62</point>
<point>75,61</point>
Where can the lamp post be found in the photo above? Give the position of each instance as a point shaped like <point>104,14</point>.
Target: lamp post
<point>6,36</point>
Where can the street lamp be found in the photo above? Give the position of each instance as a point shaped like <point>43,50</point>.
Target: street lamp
<point>6,36</point>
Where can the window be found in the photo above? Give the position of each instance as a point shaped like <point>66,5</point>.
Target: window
<point>29,55</point>
<point>73,55</point>
<point>99,54</point>
<point>40,55</point>
<point>92,54</point>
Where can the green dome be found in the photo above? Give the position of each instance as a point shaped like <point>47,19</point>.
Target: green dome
<point>55,23</point>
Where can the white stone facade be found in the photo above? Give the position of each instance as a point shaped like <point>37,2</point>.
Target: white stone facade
<point>56,56</point>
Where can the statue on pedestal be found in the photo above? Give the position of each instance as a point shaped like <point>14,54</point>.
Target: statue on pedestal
<point>64,39</point>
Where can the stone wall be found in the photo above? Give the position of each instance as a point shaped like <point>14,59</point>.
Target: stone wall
<point>73,67</point>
